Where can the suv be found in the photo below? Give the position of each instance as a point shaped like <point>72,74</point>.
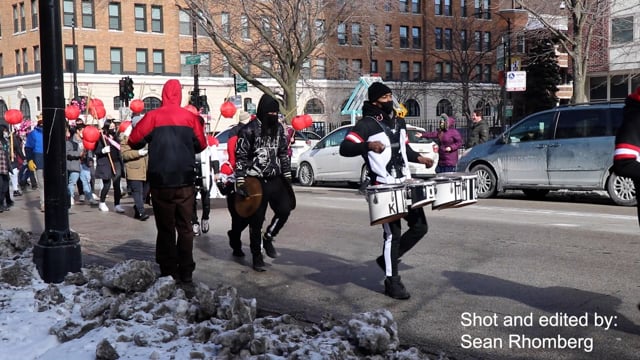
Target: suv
<point>568,147</point>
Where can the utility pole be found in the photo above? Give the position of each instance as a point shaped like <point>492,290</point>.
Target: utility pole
<point>58,249</point>
<point>75,59</point>
<point>194,33</point>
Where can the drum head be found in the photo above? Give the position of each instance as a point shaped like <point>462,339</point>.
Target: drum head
<point>246,206</point>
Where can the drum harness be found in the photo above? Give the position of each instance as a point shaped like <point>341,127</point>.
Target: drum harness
<point>397,163</point>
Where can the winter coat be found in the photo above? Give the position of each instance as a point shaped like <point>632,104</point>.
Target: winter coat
<point>135,165</point>
<point>104,161</point>
<point>626,160</point>
<point>34,147</point>
<point>174,136</point>
<point>449,138</point>
<point>479,133</point>
<point>73,155</point>
<point>259,155</point>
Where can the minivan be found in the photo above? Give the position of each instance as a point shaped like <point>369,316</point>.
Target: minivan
<point>568,147</point>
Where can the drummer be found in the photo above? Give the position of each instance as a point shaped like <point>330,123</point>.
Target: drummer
<point>380,137</point>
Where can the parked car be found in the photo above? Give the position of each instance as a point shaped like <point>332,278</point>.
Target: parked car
<point>223,137</point>
<point>304,140</point>
<point>568,147</point>
<point>323,162</point>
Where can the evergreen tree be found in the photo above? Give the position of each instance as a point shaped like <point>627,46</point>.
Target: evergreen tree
<point>543,76</point>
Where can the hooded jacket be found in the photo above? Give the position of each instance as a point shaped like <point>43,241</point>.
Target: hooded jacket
<point>451,138</point>
<point>626,160</point>
<point>174,135</point>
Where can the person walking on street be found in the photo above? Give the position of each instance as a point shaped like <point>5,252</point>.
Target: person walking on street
<point>5,169</point>
<point>262,153</point>
<point>34,150</point>
<point>450,141</point>
<point>135,164</point>
<point>479,129</point>
<point>174,136</point>
<point>109,166</point>
<point>380,137</point>
<point>74,152</point>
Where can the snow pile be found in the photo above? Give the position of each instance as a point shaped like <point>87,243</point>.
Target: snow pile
<point>125,312</point>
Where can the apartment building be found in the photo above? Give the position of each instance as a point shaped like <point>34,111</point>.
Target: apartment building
<point>413,45</point>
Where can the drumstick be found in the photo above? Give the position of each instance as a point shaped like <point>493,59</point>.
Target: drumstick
<point>113,168</point>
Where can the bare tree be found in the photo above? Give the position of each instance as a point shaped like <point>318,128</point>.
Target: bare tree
<point>273,39</point>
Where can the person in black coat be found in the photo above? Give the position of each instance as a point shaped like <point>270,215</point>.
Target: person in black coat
<point>109,165</point>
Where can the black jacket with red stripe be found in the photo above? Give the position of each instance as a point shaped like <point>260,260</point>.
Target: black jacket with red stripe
<point>175,136</point>
<point>626,161</point>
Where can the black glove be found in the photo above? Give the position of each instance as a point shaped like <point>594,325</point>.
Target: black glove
<point>287,178</point>
<point>241,188</point>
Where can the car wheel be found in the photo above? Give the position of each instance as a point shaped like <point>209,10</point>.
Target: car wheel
<point>487,181</point>
<point>305,175</point>
<point>535,193</point>
<point>621,190</point>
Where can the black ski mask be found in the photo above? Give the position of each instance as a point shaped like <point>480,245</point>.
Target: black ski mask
<point>266,105</point>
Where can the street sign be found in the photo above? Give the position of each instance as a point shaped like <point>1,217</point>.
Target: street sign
<point>192,60</point>
<point>241,85</point>
<point>516,81</point>
<point>236,100</point>
<point>251,108</point>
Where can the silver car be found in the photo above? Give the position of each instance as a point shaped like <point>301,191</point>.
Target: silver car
<point>568,147</point>
<point>323,162</point>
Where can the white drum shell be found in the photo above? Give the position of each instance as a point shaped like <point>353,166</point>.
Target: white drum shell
<point>387,203</point>
<point>448,192</point>
<point>421,193</point>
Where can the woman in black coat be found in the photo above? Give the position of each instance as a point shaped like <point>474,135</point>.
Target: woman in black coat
<point>109,165</point>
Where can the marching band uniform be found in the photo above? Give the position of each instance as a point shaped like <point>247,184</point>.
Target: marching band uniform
<point>626,161</point>
<point>380,137</point>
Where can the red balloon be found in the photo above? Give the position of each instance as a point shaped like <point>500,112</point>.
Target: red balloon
<point>90,134</point>
<point>137,106</point>
<point>88,144</point>
<point>124,125</point>
<point>308,120</point>
<point>71,112</point>
<point>95,103</point>
<point>13,116</point>
<point>211,140</point>
<point>227,109</point>
<point>98,112</point>
<point>298,122</point>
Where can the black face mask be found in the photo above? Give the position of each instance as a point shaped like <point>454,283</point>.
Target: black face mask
<point>271,121</point>
<point>387,106</point>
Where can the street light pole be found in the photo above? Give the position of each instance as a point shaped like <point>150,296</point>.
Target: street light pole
<point>194,33</point>
<point>75,59</point>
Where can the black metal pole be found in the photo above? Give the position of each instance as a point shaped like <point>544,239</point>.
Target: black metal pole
<point>75,59</point>
<point>508,96</point>
<point>58,249</point>
<point>194,31</point>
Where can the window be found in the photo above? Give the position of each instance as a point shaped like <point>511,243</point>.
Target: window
<point>404,37</point>
<point>387,5</point>
<point>374,66</point>
<point>1,65</point>
<point>413,108</point>
<point>482,9</point>
<point>416,38</point>
<point>537,127</point>
<point>356,39</point>
<point>18,68</point>
<point>23,19</point>
<point>116,61</point>
<point>448,41</point>
<point>403,7</point>
<point>622,30</point>
<point>25,61</point>
<point>89,59</point>
<point>404,71</point>
<point>141,61</point>
<point>387,36</point>
<point>34,14</point>
<point>444,107</point>
<point>356,66</point>
<point>342,34</point>
<point>438,71</point>
<point>487,73</point>
<point>447,7</point>
<point>448,73</point>
<point>373,35</point>
<point>185,70</point>
<point>140,15</point>
<point>320,24</point>
<point>388,69</point>
<point>477,76</point>
<point>439,38</point>
<point>343,69</point>
<point>185,23</point>
<point>417,71</point>
<point>69,56</point>
<point>36,59</point>
<point>115,22</point>
<point>487,41</point>
<point>305,72</point>
<point>224,24</point>
<point>321,69</point>
<point>463,8</point>
<point>244,24</point>
<point>619,87</point>
<point>16,24</point>
<point>156,19</point>
<point>598,88</point>
<point>464,42</point>
<point>68,13</point>
<point>415,6</point>
<point>581,123</point>
<point>438,7</point>
<point>87,14</point>
<point>158,61</point>
<point>477,40</point>
<point>314,106</point>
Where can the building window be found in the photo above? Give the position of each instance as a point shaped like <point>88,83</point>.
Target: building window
<point>447,7</point>
<point>116,61</point>
<point>141,61</point>
<point>25,61</point>
<point>89,59</point>
<point>487,73</point>
<point>417,71</point>
<point>36,59</point>
<point>416,38</point>
<point>356,38</point>
<point>16,22</point>
<point>114,17</point>
<point>444,107</point>
<point>387,5</point>
<point>438,7</point>
<point>388,70</point>
<point>487,41</point>
<point>477,40</point>
<point>314,106</point>
<point>225,24</point>
<point>69,56</point>
<point>438,38</point>
<point>305,72</point>
<point>204,68</point>
<point>185,23</point>
<point>404,71</point>
<point>404,37</point>
<point>388,37</point>
<point>343,69</point>
<point>448,39</point>
<point>140,15</point>
<point>244,23</point>
<point>156,19</point>
<point>321,69</point>
<point>482,9</point>
<point>158,61</point>
<point>403,7</point>
<point>622,30</point>
<point>185,70</point>
<point>438,71</point>
<point>23,18</point>
<point>87,14</point>
<point>374,66</point>
<point>448,73</point>
<point>415,6</point>
<point>464,42</point>
<point>68,12</point>
<point>356,66</point>
<point>477,73</point>
<point>342,34</point>
<point>1,65</point>
<point>463,8</point>
<point>18,68</point>
<point>413,108</point>
<point>34,14</point>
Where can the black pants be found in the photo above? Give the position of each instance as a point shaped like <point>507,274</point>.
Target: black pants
<point>238,223</point>
<point>396,244</point>
<point>276,196</point>
<point>139,189</point>
<point>206,204</point>
<point>172,209</point>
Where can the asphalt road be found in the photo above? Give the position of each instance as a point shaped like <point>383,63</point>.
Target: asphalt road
<point>506,278</point>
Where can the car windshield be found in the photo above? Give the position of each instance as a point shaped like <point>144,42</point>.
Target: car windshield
<point>415,136</point>
<point>304,135</point>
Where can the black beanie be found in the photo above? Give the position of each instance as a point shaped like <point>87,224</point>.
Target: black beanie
<point>377,90</point>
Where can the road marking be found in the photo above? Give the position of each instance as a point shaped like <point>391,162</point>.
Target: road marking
<point>555,212</point>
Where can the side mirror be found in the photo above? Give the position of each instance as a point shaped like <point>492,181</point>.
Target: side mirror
<point>504,139</point>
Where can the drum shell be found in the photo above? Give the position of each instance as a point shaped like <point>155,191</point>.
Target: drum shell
<point>469,190</point>
<point>387,203</point>
<point>421,193</point>
<point>448,192</point>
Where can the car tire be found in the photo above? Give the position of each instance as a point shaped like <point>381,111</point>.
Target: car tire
<point>537,194</point>
<point>305,175</point>
<point>487,181</point>
<point>621,190</point>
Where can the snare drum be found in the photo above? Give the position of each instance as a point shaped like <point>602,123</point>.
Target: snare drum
<point>387,203</point>
<point>421,193</point>
<point>448,191</point>
<point>469,190</point>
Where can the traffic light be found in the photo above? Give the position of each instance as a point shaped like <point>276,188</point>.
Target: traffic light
<point>193,99</point>
<point>123,91</point>
<point>129,88</point>
<point>204,106</point>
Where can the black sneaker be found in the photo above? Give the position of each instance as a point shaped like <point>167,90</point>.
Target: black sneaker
<point>17,193</point>
<point>238,253</point>
<point>394,288</point>
<point>267,244</point>
<point>258,263</point>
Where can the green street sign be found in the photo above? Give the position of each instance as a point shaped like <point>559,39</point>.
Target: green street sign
<point>241,85</point>
<point>192,60</point>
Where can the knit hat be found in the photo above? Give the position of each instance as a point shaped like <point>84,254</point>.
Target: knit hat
<point>243,117</point>
<point>377,90</point>
<point>444,117</point>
